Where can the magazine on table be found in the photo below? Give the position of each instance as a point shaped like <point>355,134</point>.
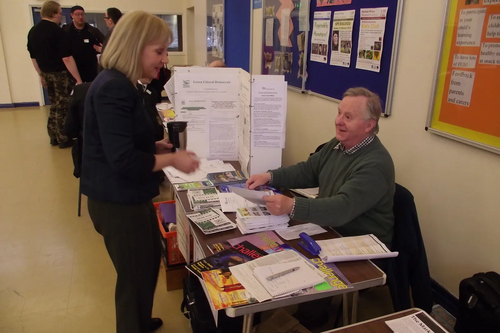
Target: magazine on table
<point>226,177</point>
<point>211,221</point>
<point>235,255</point>
<point>266,241</point>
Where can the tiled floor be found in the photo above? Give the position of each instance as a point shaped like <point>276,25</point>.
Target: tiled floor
<point>55,273</point>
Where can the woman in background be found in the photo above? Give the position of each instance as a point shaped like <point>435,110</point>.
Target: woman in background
<point>120,157</point>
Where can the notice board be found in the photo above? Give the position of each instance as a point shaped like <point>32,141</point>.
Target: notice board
<point>466,98</point>
<point>332,81</point>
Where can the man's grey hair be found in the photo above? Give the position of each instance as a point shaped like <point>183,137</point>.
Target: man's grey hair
<point>373,104</point>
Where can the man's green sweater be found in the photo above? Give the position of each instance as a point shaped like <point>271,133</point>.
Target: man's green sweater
<point>356,192</point>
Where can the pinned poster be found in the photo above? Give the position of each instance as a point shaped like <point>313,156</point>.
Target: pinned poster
<point>323,3</point>
<point>343,22</point>
<point>371,38</point>
<point>320,36</point>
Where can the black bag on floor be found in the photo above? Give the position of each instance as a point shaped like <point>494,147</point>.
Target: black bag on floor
<point>479,304</point>
<point>195,307</point>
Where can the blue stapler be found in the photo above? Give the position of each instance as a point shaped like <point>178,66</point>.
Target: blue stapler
<point>309,244</point>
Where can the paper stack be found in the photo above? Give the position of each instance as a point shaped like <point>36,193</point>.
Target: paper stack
<point>203,198</point>
<point>211,221</point>
<point>256,219</point>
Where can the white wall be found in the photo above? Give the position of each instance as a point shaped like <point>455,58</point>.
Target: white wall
<point>456,186</point>
<point>15,20</point>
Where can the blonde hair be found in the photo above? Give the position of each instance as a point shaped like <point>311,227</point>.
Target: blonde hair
<point>49,9</point>
<point>131,34</point>
<point>373,104</point>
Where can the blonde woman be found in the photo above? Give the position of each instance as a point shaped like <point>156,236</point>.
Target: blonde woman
<point>120,157</point>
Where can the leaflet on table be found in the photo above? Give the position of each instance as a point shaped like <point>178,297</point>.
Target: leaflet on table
<point>211,221</point>
<point>234,255</point>
<point>193,185</point>
<point>415,323</point>
<point>268,113</point>
<point>265,241</point>
<point>353,248</point>
<point>244,272</point>
<point>343,23</point>
<point>320,36</point>
<point>293,232</point>
<point>371,38</point>
<point>203,198</point>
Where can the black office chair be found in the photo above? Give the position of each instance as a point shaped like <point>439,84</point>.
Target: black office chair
<point>409,270</point>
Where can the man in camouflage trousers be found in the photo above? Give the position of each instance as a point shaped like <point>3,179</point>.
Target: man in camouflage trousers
<point>50,52</point>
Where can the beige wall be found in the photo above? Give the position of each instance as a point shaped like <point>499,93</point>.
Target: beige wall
<point>5,97</point>
<point>456,186</point>
<point>15,20</point>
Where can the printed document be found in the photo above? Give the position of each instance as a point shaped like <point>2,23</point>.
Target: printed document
<point>415,323</point>
<point>353,248</point>
<point>293,232</point>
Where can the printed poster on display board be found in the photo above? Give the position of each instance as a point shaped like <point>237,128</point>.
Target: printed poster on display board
<point>371,38</point>
<point>323,3</point>
<point>320,36</point>
<point>343,22</point>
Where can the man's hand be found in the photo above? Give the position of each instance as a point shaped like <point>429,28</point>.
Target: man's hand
<point>98,48</point>
<point>186,161</point>
<point>163,146</point>
<point>278,204</point>
<point>257,180</point>
<point>42,81</point>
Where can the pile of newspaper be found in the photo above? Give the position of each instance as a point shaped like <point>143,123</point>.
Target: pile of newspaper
<point>200,199</point>
<point>256,219</point>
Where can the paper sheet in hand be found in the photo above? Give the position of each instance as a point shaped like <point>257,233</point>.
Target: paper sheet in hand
<point>293,232</point>
<point>250,195</point>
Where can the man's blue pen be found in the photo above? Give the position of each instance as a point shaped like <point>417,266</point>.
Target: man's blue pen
<point>274,276</point>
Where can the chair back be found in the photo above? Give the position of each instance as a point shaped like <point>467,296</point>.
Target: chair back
<point>408,271</point>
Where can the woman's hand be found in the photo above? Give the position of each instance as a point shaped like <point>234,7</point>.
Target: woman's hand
<point>163,146</point>
<point>185,161</point>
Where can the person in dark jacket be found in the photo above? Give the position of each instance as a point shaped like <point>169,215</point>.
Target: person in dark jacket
<point>112,17</point>
<point>119,159</point>
<point>83,37</point>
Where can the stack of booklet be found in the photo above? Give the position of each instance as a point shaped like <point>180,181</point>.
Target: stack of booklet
<point>200,199</point>
<point>256,219</point>
<point>211,221</point>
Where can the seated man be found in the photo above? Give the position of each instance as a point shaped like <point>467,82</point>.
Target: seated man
<point>355,175</point>
<point>354,172</point>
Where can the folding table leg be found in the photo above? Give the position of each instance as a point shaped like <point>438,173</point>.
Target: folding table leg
<point>247,323</point>
<point>345,312</point>
<point>354,314</point>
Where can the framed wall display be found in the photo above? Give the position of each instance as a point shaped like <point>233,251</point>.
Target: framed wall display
<point>466,100</point>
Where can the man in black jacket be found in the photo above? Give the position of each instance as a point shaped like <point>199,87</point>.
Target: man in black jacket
<point>83,38</point>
